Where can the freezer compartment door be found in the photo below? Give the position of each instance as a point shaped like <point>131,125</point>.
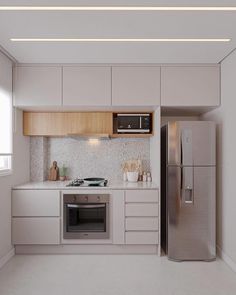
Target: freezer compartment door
<point>191,213</point>
<point>191,143</point>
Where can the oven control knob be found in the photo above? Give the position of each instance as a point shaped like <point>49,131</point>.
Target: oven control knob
<point>74,199</point>
<point>86,198</point>
<point>98,198</point>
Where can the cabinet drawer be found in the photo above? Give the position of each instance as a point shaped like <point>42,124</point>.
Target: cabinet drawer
<point>141,238</point>
<point>141,196</point>
<point>35,203</point>
<point>36,231</point>
<point>143,223</point>
<point>141,209</point>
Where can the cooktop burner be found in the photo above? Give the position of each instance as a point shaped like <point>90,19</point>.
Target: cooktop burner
<point>81,182</point>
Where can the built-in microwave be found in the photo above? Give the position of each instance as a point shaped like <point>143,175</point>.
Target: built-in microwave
<point>133,123</point>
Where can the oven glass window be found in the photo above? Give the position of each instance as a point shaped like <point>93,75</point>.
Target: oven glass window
<point>86,218</point>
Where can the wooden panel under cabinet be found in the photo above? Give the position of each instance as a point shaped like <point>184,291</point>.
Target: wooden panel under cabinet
<point>190,86</point>
<point>35,230</point>
<point>64,124</point>
<point>87,86</point>
<point>37,86</point>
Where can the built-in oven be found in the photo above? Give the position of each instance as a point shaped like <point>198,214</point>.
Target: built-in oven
<point>86,216</point>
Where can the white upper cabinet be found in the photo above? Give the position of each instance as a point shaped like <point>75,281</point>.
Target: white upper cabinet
<point>190,86</point>
<point>87,86</point>
<point>37,86</point>
<point>135,86</point>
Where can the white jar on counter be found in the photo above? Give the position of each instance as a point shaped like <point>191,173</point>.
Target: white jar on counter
<point>149,177</point>
<point>144,177</point>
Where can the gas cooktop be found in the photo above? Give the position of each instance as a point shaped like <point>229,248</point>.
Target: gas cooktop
<point>95,181</point>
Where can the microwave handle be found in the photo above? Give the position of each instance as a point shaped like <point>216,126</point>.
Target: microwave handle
<point>86,206</point>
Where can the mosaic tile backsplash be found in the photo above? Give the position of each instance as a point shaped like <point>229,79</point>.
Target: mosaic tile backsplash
<point>87,159</point>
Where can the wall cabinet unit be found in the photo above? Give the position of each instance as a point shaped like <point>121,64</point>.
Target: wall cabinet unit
<point>135,86</point>
<point>64,124</point>
<point>37,86</point>
<point>35,217</point>
<point>190,86</point>
<point>87,86</point>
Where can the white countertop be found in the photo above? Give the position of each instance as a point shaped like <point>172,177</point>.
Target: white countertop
<point>61,185</point>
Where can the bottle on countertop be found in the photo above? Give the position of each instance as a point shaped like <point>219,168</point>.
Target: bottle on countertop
<point>144,176</point>
<point>149,177</point>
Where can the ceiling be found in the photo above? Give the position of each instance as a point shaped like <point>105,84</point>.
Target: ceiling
<point>118,24</point>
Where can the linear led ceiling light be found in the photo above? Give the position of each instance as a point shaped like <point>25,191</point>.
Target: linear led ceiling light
<point>118,8</point>
<point>120,40</point>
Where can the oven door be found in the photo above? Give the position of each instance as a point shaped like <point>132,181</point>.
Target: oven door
<point>86,221</point>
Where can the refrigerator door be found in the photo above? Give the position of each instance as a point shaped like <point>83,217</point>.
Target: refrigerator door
<point>191,213</point>
<point>191,143</point>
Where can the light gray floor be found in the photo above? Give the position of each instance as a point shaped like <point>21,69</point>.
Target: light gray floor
<point>113,275</point>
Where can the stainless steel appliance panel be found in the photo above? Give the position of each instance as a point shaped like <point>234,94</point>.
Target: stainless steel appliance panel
<point>191,213</point>
<point>191,143</point>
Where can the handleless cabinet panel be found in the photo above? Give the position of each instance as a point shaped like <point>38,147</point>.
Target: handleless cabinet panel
<point>135,86</point>
<point>142,238</point>
<point>141,209</point>
<point>87,86</point>
<point>141,196</point>
<point>36,231</point>
<point>35,203</point>
<point>190,86</point>
<point>37,86</point>
<point>141,224</point>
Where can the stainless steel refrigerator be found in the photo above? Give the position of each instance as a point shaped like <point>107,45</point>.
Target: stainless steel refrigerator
<point>188,173</point>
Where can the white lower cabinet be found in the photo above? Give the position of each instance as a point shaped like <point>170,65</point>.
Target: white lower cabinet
<point>141,223</point>
<point>36,217</point>
<point>141,217</point>
<point>142,238</point>
<point>36,230</point>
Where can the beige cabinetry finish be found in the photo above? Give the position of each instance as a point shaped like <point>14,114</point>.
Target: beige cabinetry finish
<point>135,86</point>
<point>87,86</point>
<point>141,217</point>
<point>37,86</point>
<point>190,86</point>
<point>35,217</point>
<point>118,219</point>
<point>63,124</point>
<point>35,203</point>
<point>36,231</point>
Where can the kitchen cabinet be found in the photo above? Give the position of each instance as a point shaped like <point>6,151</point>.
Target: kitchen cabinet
<point>37,86</point>
<point>190,86</point>
<point>135,86</point>
<point>87,86</point>
<point>141,217</point>
<point>64,124</point>
<point>36,231</point>
<point>35,217</point>
<point>35,203</point>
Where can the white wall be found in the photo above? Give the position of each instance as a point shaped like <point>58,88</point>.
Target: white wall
<point>20,169</point>
<point>225,116</point>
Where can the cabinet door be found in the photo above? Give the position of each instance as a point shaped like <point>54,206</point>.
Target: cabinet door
<point>36,231</point>
<point>35,203</point>
<point>190,86</point>
<point>87,86</point>
<point>118,217</point>
<point>135,86</point>
<point>141,196</point>
<point>142,238</point>
<point>37,86</point>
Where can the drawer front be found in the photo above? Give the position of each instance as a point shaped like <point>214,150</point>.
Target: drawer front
<point>141,223</point>
<point>142,238</point>
<point>36,231</point>
<point>141,210</point>
<point>141,196</point>
<point>35,203</point>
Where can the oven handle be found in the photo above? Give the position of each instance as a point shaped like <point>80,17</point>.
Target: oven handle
<point>85,206</point>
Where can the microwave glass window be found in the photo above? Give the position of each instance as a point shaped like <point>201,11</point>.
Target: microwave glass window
<point>126,122</point>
